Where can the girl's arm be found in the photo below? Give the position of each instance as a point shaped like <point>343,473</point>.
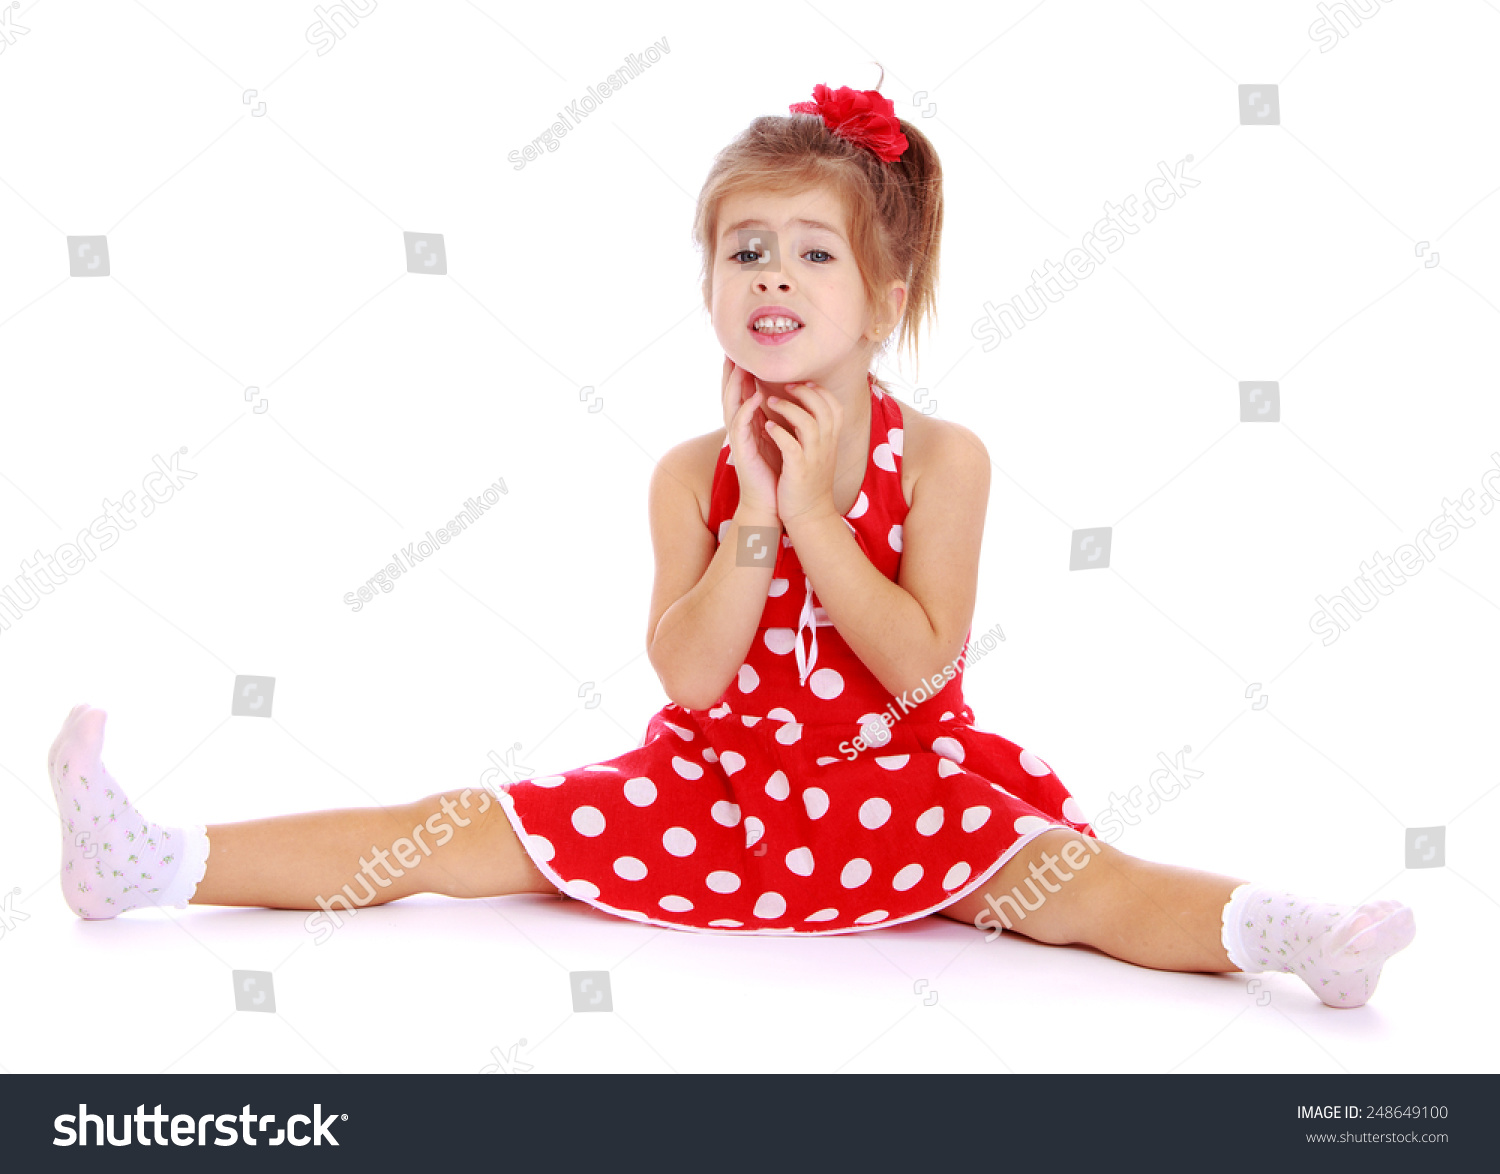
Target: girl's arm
<point>705,608</point>
<point>908,630</point>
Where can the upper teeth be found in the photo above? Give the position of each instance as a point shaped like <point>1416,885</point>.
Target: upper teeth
<point>776,324</point>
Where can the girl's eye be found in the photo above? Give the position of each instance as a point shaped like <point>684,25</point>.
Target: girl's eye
<point>739,257</point>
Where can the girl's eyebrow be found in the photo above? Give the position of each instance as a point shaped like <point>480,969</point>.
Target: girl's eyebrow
<point>755,223</point>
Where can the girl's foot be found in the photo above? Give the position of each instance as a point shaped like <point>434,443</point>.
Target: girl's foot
<point>113,858</point>
<point>1337,950</point>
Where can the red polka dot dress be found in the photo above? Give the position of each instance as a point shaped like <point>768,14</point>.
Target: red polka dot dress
<point>760,814</point>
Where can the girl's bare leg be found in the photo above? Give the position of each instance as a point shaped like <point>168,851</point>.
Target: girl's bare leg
<point>1154,915</point>
<point>115,859</point>
<point>288,861</point>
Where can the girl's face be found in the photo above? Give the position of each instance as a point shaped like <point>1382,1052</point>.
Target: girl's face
<point>789,257</point>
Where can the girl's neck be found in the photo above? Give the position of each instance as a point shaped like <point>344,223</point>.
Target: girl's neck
<point>854,431</point>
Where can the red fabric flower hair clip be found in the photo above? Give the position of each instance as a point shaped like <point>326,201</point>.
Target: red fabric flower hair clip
<point>865,117</point>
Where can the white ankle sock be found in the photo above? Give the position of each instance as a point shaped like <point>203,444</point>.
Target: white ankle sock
<point>113,858</point>
<point>1337,950</point>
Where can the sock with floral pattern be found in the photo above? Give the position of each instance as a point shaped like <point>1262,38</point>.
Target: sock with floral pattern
<point>113,857</point>
<point>1337,950</point>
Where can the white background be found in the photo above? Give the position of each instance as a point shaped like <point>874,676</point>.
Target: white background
<point>267,251</point>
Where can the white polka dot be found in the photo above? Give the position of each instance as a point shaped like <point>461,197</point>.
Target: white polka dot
<point>769,906</point>
<point>719,710</point>
<point>781,714</point>
<point>861,504</point>
<point>956,875</point>
<point>722,881</point>
<point>871,917</point>
<point>724,528</point>
<point>947,716</point>
<point>780,640</point>
<point>873,731</point>
<point>588,821</point>
<point>750,719</point>
<point>893,761</point>
<point>826,683</point>
<point>675,904</point>
<point>710,754</point>
<point>895,538</point>
<point>602,767</point>
<point>873,813</point>
<point>855,873</point>
<point>748,679</point>
<point>581,890</point>
<point>1034,765</point>
<point>685,735</point>
<point>754,830</point>
<point>727,922</point>
<point>777,787</point>
<point>679,841</point>
<point>731,762</point>
<point>778,588</point>
<point>948,748</point>
<point>815,799</point>
<point>788,732</point>
<point>640,791</point>
<point>686,768</point>
<point>800,861</point>
<point>884,458</point>
<point>541,847</point>
<point>1073,811</point>
<point>729,460</point>
<point>930,821</point>
<point>1031,823</point>
<point>907,877</point>
<point>822,915</point>
<point>975,818</point>
<point>725,812</point>
<point>947,767</point>
<point>897,438</point>
<point>548,781</point>
<point>629,868</point>
<point>828,759</point>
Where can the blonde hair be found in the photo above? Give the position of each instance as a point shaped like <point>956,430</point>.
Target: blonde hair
<point>895,210</point>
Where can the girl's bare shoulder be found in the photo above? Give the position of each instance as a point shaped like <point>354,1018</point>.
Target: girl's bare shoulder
<point>929,443</point>
<point>692,463</point>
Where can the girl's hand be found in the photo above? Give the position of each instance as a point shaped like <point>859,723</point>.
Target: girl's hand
<point>757,460</point>
<point>808,458</point>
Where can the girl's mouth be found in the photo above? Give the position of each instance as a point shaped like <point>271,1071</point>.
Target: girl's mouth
<point>773,330</point>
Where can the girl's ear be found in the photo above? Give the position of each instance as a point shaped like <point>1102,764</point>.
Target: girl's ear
<point>897,300</point>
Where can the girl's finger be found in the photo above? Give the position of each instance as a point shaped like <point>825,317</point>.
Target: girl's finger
<point>805,423</point>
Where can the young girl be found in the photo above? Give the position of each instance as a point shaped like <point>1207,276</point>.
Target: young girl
<point>817,770</point>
